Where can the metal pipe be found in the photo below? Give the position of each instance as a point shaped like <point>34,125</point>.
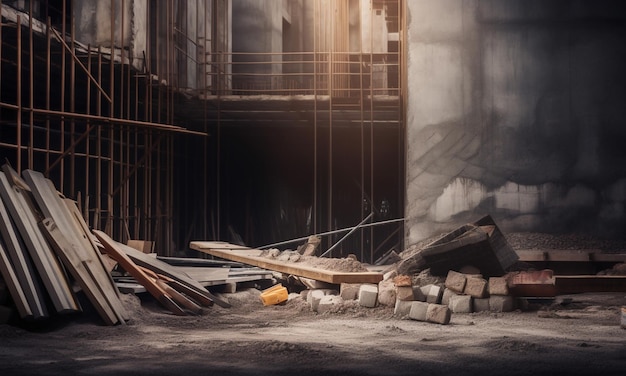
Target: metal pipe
<point>329,250</point>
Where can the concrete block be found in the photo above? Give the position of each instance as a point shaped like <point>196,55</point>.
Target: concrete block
<point>404,293</point>
<point>402,307</point>
<point>418,311</point>
<point>447,294</point>
<point>329,303</point>
<point>438,313</point>
<point>481,304</point>
<point>418,294</point>
<point>501,303</point>
<point>314,298</point>
<point>368,295</point>
<point>476,287</point>
<point>434,294</point>
<point>349,291</point>
<point>387,293</point>
<point>460,304</point>
<point>455,281</point>
<point>498,286</point>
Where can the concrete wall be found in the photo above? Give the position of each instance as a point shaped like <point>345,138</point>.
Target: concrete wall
<point>516,109</point>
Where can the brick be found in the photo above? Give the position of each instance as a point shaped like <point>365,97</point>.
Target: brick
<point>498,286</point>
<point>460,304</point>
<point>404,293</point>
<point>447,294</point>
<point>476,287</point>
<point>438,313</point>
<point>329,303</point>
<point>349,291</point>
<point>455,281</point>
<point>368,295</point>
<point>481,304</point>
<point>501,303</point>
<point>386,293</point>
<point>402,308</point>
<point>403,280</point>
<point>418,311</point>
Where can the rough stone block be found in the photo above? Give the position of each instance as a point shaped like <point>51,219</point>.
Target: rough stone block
<point>349,291</point>
<point>438,313</point>
<point>498,286</point>
<point>387,293</point>
<point>404,293</point>
<point>418,294</point>
<point>434,294</point>
<point>447,294</point>
<point>314,298</point>
<point>329,303</point>
<point>460,304</point>
<point>402,308</point>
<point>476,287</point>
<point>418,311</point>
<point>455,281</point>
<point>501,303</point>
<point>368,295</point>
<point>481,304</point>
<point>403,280</point>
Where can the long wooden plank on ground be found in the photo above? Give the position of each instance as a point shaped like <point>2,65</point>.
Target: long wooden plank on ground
<point>568,255</point>
<point>75,249</point>
<point>133,269</point>
<point>254,257</point>
<point>164,268</point>
<point>19,264</point>
<point>576,284</point>
<point>44,259</point>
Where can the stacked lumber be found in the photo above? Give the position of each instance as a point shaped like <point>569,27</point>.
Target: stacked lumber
<point>46,248</point>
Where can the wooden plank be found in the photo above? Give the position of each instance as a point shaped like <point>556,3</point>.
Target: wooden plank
<point>17,262</point>
<point>164,268</point>
<point>80,268</point>
<point>567,255</point>
<point>21,209</point>
<point>133,269</point>
<point>76,250</point>
<point>253,257</point>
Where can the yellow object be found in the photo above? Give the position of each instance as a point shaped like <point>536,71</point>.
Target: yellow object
<point>274,295</point>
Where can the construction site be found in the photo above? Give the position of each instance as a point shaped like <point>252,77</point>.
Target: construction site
<point>354,187</point>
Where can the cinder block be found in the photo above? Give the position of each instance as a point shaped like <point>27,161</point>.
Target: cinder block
<point>387,293</point>
<point>455,281</point>
<point>438,313</point>
<point>460,304</point>
<point>481,304</point>
<point>501,303</point>
<point>402,307</point>
<point>447,294</point>
<point>476,287</point>
<point>418,311</point>
<point>349,291</point>
<point>329,303</point>
<point>368,295</point>
<point>404,293</point>
<point>498,286</point>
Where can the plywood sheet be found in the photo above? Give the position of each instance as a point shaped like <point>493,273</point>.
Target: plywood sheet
<point>254,257</point>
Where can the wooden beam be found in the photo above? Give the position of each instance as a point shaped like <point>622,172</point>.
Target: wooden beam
<point>254,257</point>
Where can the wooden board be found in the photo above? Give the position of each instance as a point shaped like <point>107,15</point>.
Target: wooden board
<point>20,269</point>
<point>75,249</point>
<point>252,256</point>
<point>48,267</point>
<point>568,255</point>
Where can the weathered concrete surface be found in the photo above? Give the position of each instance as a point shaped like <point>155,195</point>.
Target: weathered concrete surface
<point>515,109</point>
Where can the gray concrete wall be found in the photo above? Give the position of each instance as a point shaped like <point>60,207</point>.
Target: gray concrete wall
<point>516,109</point>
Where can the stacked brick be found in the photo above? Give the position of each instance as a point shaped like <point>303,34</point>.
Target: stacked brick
<point>465,293</point>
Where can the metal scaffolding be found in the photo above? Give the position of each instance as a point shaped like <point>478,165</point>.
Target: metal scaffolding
<point>105,125</point>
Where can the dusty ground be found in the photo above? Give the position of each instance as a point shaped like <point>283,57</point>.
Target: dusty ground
<point>572,335</point>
